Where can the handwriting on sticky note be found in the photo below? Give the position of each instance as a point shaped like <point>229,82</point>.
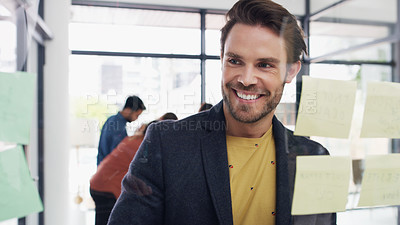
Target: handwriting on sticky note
<point>326,108</point>
<point>381,181</point>
<point>382,110</point>
<point>321,184</point>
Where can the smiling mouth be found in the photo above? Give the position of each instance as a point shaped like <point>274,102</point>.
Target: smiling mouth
<point>247,96</point>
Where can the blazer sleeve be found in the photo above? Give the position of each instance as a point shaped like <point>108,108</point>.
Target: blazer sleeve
<point>142,198</point>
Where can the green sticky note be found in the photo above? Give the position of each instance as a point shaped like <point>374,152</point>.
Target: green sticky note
<point>16,106</point>
<point>326,108</point>
<point>382,111</point>
<point>321,184</point>
<point>19,196</point>
<point>381,181</point>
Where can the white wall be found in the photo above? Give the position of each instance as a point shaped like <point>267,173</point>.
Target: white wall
<point>56,114</point>
<point>32,153</point>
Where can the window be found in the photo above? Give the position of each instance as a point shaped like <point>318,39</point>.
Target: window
<point>8,46</point>
<point>347,43</point>
<point>154,54</point>
<point>100,85</point>
<point>134,30</point>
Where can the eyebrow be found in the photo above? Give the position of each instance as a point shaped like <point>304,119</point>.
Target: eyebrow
<point>270,59</point>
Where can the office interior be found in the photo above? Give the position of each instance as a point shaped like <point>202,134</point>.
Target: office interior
<point>89,55</point>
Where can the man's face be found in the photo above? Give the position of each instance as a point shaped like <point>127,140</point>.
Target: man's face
<point>254,72</point>
<point>135,114</point>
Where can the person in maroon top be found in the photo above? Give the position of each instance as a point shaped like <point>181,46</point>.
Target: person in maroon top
<point>105,184</point>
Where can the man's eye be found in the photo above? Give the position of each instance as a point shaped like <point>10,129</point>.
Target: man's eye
<point>233,61</point>
<point>264,65</point>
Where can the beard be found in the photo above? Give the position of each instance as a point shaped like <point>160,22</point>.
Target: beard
<point>247,113</point>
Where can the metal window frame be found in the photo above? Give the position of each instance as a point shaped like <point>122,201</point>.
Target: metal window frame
<point>202,56</point>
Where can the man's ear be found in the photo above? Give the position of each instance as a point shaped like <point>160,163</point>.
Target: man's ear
<point>292,70</point>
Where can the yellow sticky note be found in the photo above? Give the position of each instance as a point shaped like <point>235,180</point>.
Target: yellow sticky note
<point>381,181</point>
<point>326,108</point>
<point>321,184</point>
<point>382,110</point>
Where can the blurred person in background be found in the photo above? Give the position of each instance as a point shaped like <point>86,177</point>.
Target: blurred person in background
<point>105,184</point>
<point>114,129</point>
<point>205,106</point>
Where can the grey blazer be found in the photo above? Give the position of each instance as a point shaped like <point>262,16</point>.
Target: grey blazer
<point>180,175</point>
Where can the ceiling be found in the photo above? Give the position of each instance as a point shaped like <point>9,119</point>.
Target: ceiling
<point>370,10</point>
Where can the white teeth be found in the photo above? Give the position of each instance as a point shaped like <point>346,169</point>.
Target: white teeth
<point>247,97</point>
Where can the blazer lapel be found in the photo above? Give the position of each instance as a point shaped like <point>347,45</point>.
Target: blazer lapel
<point>215,161</point>
<point>283,199</point>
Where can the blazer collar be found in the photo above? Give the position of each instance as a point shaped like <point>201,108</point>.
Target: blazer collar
<point>283,198</point>
<point>216,119</point>
<point>215,160</point>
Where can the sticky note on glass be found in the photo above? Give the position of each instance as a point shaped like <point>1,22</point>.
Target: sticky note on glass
<point>19,195</point>
<point>381,181</point>
<point>382,111</point>
<point>326,108</point>
<point>16,106</point>
<point>321,184</point>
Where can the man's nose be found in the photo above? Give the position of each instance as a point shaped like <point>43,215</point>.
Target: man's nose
<point>247,77</point>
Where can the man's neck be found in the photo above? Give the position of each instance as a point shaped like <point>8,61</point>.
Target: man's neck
<point>125,113</point>
<point>248,130</point>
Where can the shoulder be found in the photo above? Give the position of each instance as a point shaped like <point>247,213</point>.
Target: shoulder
<point>297,145</point>
<point>194,123</point>
<point>304,145</point>
<point>111,118</point>
<point>192,127</point>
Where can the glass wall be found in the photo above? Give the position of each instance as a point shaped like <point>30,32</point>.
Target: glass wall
<point>347,43</point>
<point>157,55</point>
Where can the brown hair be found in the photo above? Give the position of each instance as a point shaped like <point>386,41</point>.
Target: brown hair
<point>268,14</point>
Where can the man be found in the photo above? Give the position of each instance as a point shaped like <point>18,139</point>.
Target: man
<point>114,129</point>
<point>234,164</point>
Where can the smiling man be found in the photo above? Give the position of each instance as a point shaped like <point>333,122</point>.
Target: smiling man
<point>234,164</point>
